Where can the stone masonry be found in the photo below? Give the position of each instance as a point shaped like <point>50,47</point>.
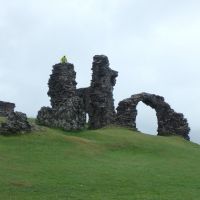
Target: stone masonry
<point>6,108</point>
<point>169,122</point>
<point>98,98</point>
<point>67,108</point>
<point>69,105</point>
<point>15,123</point>
<point>12,122</point>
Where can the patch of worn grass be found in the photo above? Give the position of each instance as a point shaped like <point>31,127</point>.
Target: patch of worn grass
<point>105,164</point>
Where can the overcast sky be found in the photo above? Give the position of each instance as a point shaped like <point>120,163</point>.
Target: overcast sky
<point>153,44</point>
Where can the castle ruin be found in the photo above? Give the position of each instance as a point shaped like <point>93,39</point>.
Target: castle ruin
<point>69,105</point>
<point>67,108</point>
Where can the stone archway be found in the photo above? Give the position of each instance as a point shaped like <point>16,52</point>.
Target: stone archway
<point>169,122</point>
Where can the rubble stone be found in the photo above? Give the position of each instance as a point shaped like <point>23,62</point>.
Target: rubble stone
<point>16,123</point>
<point>67,108</point>
<point>169,122</point>
<point>62,84</point>
<point>6,108</point>
<point>98,98</point>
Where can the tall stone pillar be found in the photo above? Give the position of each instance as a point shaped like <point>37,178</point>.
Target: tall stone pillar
<point>101,109</point>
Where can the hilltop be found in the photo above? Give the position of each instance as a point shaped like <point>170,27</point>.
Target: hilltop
<point>104,164</point>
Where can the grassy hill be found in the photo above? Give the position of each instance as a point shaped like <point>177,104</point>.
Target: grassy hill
<point>110,163</point>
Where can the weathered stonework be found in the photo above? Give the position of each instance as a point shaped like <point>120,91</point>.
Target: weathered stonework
<point>70,105</point>
<point>98,98</point>
<point>67,108</point>
<point>62,84</point>
<point>16,122</point>
<point>6,108</point>
<point>169,122</point>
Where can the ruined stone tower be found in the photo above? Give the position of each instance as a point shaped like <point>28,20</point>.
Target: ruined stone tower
<point>102,110</point>
<point>98,98</point>
<point>67,108</point>
<point>62,84</point>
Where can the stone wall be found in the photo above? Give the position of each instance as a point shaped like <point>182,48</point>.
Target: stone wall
<point>6,108</point>
<point>16,123</point>
<point>67,108</point>
<point>70,105</point>
<point>98,98</point>
<point>62,84</point>
<point>169,122</point>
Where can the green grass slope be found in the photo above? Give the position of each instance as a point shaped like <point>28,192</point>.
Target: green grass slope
<point>105,164</point>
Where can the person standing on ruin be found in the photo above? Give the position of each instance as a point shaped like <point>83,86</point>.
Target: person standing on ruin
<point>63,60</point>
